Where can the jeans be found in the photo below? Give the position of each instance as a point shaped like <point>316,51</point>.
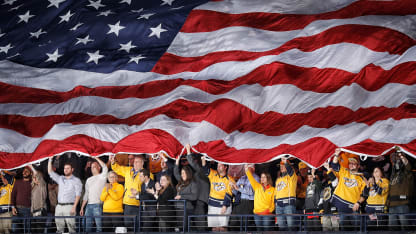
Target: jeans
<point>129,221</point>
<point>349,221</point>
<point>263,222</point>
<point>18,225</point>
<point>93,210</point>
<point>285,222</point>
<point>394,219</point>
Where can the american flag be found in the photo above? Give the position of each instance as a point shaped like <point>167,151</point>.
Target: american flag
<point>240,80</point>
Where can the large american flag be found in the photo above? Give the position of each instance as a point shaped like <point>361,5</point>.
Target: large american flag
<point>240,80</point>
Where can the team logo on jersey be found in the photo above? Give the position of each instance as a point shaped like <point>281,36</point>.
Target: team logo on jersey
<point>372,193</point>
<point>280,186</point>
<point>3,192</point>
<point>218,186</point>
<point>327,193</point>
<point>350,182</point>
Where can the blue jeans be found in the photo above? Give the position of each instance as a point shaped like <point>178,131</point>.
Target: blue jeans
<point>285,222</point>
<point>18,225</point>
<point>349,221</point>
<point>394,219</point>
<point>129,221</point>
<point>93,210</point>
<point>263,222</point>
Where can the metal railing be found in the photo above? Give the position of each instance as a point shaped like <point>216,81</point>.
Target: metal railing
<point>174,218</point>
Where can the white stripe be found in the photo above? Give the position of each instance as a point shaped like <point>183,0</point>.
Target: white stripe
<point>258,40</point>
<point>389,131</point>
<point>273,6</point>
<point>284,99</point>
<point>332,56</point>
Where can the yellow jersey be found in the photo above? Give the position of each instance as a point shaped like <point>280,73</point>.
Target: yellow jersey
<point>220,190</point>
<point>263,198</point>
<point>285,193</point>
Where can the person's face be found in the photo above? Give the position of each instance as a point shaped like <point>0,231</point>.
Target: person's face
<point>310,178</point>
<point>138,163</point>
<point>183,175</point>
<point>283,168</point>
<point>353,166</point>
<point>263,179</point>
<point>68,170</point>
<point>131,159</point>
<point>112,178</point>
<point>164,182</point>
<point>303,172</point>
<point>221,168</point>
<point>95,168</point>
<point>142,177</point>
<point>26,173</point>
<point>377,173</point>
<point>163,164</point>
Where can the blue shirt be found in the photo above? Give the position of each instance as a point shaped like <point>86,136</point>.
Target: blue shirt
<point>244,186</point>
<point>68,188</point>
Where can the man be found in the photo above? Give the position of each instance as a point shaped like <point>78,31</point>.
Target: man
<point>69,194</point>
<point>21,199</point>
<point>244,196</point>
<point>286,195</point>
<point>132,183</point>
<point>329,223</point>
<point>313,195</point>
<point>401,189</point>
<point>219,201</point>
<point>147,192</point>
<point>348,195</point>
<point>166,168</point>
<point>5,202</point>
<point>93,189</point>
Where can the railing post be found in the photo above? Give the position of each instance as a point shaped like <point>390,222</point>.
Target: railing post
<point>137,219</point>
<point>185,217</point>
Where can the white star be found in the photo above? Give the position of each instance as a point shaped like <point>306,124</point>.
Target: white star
<point>94,57</point>
<point>115,28</point>
<point>55,3</point>
<point>136,58</point>
<point>84,40</point>
<point>9,2</point>
<point>37,33</point>
<point>105,13</point>
<point>53,57</point>
<point>16,7</point>
<point>25,17</point>
<point>66,17</point>
<point>156,31</point>
<point>167,2</point>
<point>96,4</point>
<point>76,26</point>
<point>137,11</point>
<point>126,1</point>
<point>127,47</point>
<point>145,16</point>
<point>2,34</point>
<point>6,49</point>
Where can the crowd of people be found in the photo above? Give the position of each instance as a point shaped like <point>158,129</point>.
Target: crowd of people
<point>111,191</point>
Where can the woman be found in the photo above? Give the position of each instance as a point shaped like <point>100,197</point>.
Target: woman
<point>166,211</point>
<point>263,199</point>
<point>377,189</point>
<point>38,204</point>
<point>187,189</point>
<point>112,198</point>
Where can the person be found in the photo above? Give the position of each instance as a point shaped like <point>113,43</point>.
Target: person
<point>145,195</point>
<point>69,194</point>
<point>202,181</point>
<point>187,190</point>
<point>285,195</point>
<point>166,167</point>
<point>377,189</point>
<point>263,199</point>
<point>401,190</point>
<point>91,200</point>
<point>21,200</point>
<point>313,193</point>
<point>348,195</point>
<point>302,183</point>
<point>244,197</point>
<point>131,183</point>
<point>329,222</point>
<point>220,196</point>
<point>112,198</point>
<point>38,203</point>
<point>6,187</point>
<point>165,192</point>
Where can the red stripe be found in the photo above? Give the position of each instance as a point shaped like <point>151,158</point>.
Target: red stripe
<point>325,80</point>
<point>373,37</point>
<point>238,118</point>
<point>153,141</point>
<point>208,21</point>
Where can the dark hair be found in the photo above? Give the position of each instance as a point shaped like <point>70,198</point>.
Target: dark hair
<point>382,172</point>
<point>145,172</point>
<point>183,183</point>
<point>68,163</point>
<point>169,179</point>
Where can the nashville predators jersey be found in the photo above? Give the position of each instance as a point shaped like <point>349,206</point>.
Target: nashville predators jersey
<point>377,195</point>
<point>286,188</point>
<point>220,190</point>
<point>349,190</point>
<point>5,197</point>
